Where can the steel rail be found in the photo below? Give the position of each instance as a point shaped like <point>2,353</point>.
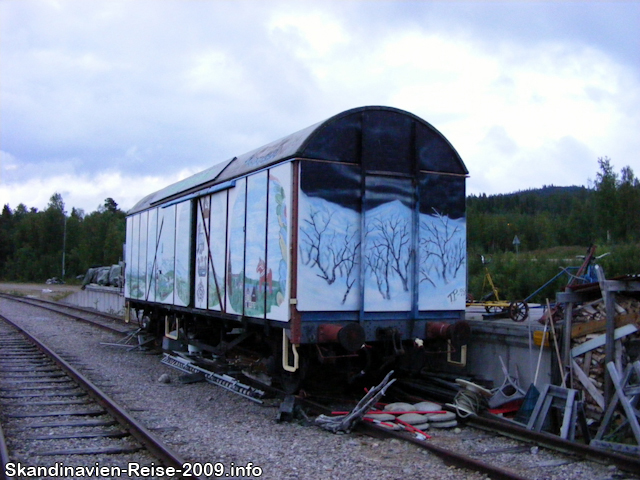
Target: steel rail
<point>505,428</point>
<point>4,456</point>
<point>554,442</point>
<point>139,431</point>
<point>36,302</point>
<point>449,457</point>
<point>88,310</point>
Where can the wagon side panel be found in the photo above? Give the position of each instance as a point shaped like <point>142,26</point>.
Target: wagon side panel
<point>182,279</point>
<point>258,277</point>
<point>128,257</point>
<point>136,282</point>
<point>166,257</point>
<point>151,256</point>
<point>236,248</point>
<point>329,236</point>
<point>202,272</point>
<point>442,244</point>
<point>278,261</point>
<point>218,250</point>
<point>142,252</point>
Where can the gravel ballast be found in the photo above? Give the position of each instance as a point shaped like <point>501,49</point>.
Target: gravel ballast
<point>204,423</point>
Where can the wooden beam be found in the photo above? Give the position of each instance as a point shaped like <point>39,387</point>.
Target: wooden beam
<point>627,405</point>
<point>588,385</point>
<point>566,340</point>
<point>582,329</point>
<point>572,297</point>
<point>621,285</point>
<point>601,339</point>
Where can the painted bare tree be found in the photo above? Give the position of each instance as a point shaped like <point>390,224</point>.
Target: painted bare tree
<point>426,267</point>
<point>334,254</point>
<point>348,255</point>
<point>442,249</point>
<point>377,262</point>
<point>389,252</point>
<point>312,251</point>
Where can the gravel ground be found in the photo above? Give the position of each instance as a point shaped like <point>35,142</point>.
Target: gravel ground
<point>39,290</point>
<point>205,423</point>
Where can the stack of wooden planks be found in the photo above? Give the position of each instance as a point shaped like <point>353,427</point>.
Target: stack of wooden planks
<point>588,340</point>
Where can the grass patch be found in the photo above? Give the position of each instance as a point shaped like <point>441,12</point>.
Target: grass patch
<point>57,296</point>
<point>16,293</point>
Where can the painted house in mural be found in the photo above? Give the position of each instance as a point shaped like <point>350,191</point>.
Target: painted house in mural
<point>357,220</point>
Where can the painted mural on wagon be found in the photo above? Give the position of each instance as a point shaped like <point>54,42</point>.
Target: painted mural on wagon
<point>165,265</point>
<point>203,212</point>
<point>276,270</point>
<point>131,287</point>
<point>183,254</point>
<point>257,269</point>
<point>217,250</point>
<point>151,256</point>
<point>329,237</point>
<point>442,243</point>
<point>330,241</point>
<point>235,253</point>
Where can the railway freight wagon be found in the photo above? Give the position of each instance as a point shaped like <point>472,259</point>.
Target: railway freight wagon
<point>342,237</point>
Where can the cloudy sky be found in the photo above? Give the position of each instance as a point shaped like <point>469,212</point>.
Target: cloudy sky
<point>121,98</point>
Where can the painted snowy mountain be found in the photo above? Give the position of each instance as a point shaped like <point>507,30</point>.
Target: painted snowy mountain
<point>336,259</point>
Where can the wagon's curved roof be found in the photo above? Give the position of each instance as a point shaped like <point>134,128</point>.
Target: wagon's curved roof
<point>380,132</point>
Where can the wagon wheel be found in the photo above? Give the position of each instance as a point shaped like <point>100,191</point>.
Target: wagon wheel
<point>494,309</point>
<point>518,311</point>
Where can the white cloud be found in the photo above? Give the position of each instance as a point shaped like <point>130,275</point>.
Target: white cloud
<point>556,108</point>
<point>215,72</point>
<point>537,102</point>
<point>309,34</point>
<point>137,90</point>
<point>87,192</point>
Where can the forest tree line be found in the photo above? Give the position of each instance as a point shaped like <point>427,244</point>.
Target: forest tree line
<point>552,224</point>
<point>32,242</point>
<point>606,213</point>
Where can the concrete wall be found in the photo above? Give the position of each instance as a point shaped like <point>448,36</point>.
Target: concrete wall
<point>103,299</point>
<point>491,339</point>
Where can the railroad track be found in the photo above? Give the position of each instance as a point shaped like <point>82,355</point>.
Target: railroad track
<point>449,455</point>
<point>101,320</point>
<point>438,445</point>
<point>53,417</point>
<point>481,448</point>
<point>503,450</point>
<point>485,451</point>
<point>576,450</point>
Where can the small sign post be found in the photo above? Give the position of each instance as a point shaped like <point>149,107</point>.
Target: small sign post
<point>516,242</point>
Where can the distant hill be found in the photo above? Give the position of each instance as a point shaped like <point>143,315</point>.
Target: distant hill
<point>554,223</point>
<point>549,199</point>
